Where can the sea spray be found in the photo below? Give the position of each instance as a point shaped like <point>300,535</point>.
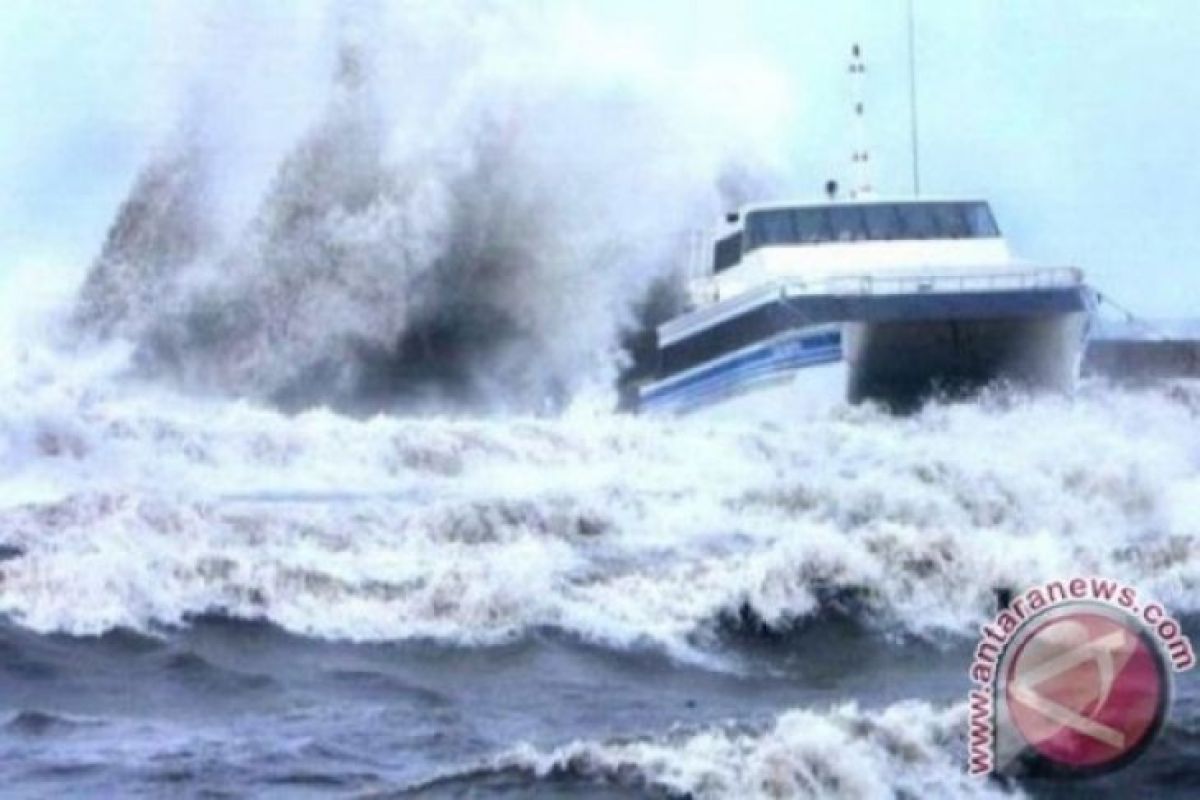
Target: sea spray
<point>469,215</point>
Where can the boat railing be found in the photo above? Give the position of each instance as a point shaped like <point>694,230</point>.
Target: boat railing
<point>713,306</point>
<point>921,283</point>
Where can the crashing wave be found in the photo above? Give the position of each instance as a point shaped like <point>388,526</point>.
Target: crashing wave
<point>470,227</point>
<point>906,750</point>
<point>131,510</point>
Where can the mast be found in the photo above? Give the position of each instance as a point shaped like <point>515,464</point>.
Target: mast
<point>860,156</point>
<point>912,101</point>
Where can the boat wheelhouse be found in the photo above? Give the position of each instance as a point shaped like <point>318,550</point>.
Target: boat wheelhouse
<point>858,300</point>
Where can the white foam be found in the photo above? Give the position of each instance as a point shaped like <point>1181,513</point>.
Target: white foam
<point>535,168</point>
<point>910,749</point>
<point>139,508</point>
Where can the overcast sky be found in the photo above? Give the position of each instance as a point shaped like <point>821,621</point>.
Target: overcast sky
<point>1078,119</point>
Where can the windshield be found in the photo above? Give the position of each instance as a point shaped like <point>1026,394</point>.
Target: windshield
<point>727,252</point>
<point>869,221</point>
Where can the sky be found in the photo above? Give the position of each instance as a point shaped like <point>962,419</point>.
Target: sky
<point>1077,119</point>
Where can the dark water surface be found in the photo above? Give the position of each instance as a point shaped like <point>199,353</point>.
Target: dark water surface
<point>235,709</point>
<point>319,606</point>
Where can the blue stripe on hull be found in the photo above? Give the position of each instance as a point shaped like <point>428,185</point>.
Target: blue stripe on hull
<point>767,364</point>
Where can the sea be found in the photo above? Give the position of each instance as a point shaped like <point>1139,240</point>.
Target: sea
<point>312,486</point>
<point>205,598</point>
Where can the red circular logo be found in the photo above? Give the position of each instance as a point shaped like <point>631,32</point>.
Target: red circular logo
<point>1087,689</point>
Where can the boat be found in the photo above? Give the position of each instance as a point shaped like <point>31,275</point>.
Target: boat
<point>864,299</point>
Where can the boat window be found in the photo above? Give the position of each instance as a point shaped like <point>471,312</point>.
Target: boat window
<point>771,227</point>
<point>727,252</point>
<point>979,220</point>
<point>949,220</point>
<point>882,221</point>
<point>787,226</point>
<point>877,221</point>
<point>917,221</point>
<point>812,225</point>
<point>846,223</point>
<point>946,221</point>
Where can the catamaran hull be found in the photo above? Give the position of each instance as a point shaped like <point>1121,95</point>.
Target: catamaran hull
<point>897,351</point>
<point>902,363</point>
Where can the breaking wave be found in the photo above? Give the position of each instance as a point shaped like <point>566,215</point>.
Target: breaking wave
<point>130,507</point>
<point>464,203</point>
<point>465,165</point>
<point>907,750</point>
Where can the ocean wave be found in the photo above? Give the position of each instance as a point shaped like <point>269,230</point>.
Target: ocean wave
<point>907,750</point>
<point>633,532</point>
<point>456,211</point>
<point>35,723</point>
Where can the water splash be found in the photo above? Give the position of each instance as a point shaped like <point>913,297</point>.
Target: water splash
<point>909,749</point>
<point>630,532</point>
<point>472,216</point>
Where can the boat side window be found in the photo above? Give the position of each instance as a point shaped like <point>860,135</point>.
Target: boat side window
<point>812,225</point>
<point>787,226</point>
<point>878,221</point>
<point>770,227</point>
<point>846,224</point>
<point>979,220</point>
<point>727,252</point>
<point>936,221</point>
<point>882,221</point>
<point>917,222</point>
<point>949,221</point>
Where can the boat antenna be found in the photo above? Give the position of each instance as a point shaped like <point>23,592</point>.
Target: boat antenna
<point>912,100</point>
<point>860,157</point>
